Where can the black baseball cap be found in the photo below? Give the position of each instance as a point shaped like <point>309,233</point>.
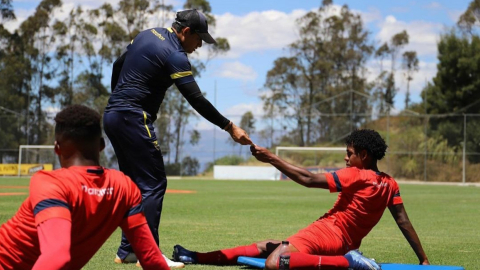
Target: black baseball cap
<point>197,22</point>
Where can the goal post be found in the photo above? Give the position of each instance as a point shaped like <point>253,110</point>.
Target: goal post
<point>315,159</point>
<point>33,158</point>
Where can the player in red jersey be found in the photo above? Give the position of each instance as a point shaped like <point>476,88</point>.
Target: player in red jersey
<point>72,211</point>
<point>331,242</point>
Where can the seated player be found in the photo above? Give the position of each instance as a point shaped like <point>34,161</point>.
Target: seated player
<point>331,242</point>
<point>72,211</point>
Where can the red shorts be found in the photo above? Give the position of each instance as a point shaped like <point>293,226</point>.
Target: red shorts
<point>321,237</point>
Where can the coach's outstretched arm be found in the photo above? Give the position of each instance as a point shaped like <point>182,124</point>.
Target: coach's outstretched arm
<point>297,174</point>
<point>401,218</point>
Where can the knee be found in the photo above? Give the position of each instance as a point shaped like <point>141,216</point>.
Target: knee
<point>271,263</point>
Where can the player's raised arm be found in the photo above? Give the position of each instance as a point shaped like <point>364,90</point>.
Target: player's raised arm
<point>194,96</point>
<point>401,218</point>
<point>297,174</point>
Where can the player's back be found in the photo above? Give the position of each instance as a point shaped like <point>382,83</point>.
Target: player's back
<point>96,200</point>
<point>364,195</point>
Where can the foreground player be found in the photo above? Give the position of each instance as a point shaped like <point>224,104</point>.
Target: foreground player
<point>331,241</point>
<point>72,211</point>
<point>155,60</point>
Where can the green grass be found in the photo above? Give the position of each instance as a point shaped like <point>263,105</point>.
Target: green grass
<point>224,214</point>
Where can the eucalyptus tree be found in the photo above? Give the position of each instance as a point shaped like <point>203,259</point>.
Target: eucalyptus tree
<point>455,90</point>
<point>385,88</point>
<point>470,19</point>
<point>326,61</point>
<point>410,66</point>
<point>6,11</point>
<point>36,33</point>
<point>15,71</point>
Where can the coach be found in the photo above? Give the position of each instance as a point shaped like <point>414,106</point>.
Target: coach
<point>154,60</point>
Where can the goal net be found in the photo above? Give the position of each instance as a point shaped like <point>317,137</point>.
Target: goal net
<point>33,158</point>
<point>314,159</point>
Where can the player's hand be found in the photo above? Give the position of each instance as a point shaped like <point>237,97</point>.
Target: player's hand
<point>239,135</point>
<point>261,153</point>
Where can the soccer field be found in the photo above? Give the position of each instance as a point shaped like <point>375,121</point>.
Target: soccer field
<point>220,214</point>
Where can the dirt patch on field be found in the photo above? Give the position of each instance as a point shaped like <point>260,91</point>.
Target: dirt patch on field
<point>12,193</point>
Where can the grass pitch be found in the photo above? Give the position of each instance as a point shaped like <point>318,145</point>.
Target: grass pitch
<point>224,214</point>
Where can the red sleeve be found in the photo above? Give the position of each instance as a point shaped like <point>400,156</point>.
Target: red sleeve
<point>48,198</point>
<point>54,236</point>
<point>145,247</point>
<point>342,179</point>
<point>396,199</point>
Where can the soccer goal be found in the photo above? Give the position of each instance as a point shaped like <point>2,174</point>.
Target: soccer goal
<point>33,158</point>
<point>314,159</point>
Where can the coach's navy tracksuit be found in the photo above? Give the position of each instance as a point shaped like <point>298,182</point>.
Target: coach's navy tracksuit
<point>153,62</point>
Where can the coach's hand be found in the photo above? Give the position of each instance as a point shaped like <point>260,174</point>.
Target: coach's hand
<point>238,135</point>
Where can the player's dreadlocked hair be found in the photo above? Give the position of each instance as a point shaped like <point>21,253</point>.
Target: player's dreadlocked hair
<point>367,139</point>
<point>78,122</point>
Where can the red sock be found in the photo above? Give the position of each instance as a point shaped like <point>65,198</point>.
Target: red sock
<point>227,256</point>
<point>305,261</point>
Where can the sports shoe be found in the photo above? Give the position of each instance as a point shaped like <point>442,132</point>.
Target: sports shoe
<point>131,258</point>
<point>172,264</point>
<point>184,255</point>
<point>356,261</point>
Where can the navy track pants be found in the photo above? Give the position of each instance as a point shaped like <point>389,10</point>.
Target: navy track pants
<point>132,136</point>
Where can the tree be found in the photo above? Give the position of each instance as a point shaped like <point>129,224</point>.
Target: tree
<point>397,42</point>
<point>35,34</point>
<point>6,11</point>
<point>410,65</point>
<point>327,60</point>
<point>471,17</point>
<point>247,123</point>
<point>455,89</point>
<point>190,166</point>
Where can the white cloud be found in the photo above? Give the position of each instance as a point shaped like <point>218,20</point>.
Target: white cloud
<point>240,109</point>
<point>372,15</point>
<point>257,31</point>
<point>423,36</point>
<point>434,5</point>
<point>237,70</point>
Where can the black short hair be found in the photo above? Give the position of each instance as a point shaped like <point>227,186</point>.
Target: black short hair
<point>178,27</point>
<point>367,139</point>
<point>78,122</point>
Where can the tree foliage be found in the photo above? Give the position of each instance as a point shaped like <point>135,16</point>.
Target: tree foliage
<point>50,63</point>
<point>328,59</point>
<point>455,88</point>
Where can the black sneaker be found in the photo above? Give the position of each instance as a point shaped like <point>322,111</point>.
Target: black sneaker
<point>180,254</point>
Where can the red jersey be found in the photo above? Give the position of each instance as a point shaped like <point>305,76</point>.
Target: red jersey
<point>96,201</point>
<point>364,195</point>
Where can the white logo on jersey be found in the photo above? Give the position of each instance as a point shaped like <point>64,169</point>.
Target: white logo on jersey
<point>382,184</point>
<point>96,191</point>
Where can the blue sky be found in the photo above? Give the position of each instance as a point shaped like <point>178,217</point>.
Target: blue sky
<point>259,31</point>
